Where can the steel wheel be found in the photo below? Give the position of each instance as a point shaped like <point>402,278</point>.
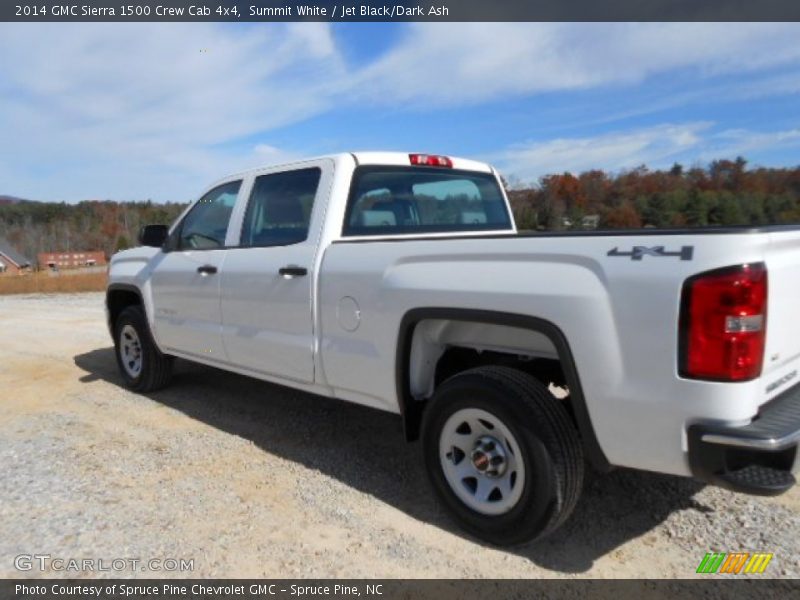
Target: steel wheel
<point>482,461</point>
<point>143,366</point>
<point>502,454</point>
<point>130,351</point>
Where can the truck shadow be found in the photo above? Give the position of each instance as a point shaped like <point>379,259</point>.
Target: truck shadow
<point>365,449</point>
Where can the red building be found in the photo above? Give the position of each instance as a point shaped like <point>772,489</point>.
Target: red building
<point>57,261</point>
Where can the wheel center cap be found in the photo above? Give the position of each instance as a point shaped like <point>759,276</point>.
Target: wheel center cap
<point>480,460</point>
<point>489,457</point>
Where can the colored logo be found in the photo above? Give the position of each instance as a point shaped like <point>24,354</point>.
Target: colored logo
<point>734,562</point>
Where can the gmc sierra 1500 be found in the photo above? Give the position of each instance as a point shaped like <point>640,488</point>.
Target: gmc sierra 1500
<point>399,281</point>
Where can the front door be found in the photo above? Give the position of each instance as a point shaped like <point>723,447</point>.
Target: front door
<point>186,278</point>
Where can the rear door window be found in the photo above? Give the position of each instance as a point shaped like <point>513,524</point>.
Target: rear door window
<point>279,211</point>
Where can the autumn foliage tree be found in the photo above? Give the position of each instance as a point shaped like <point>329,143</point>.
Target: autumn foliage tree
<point>725,192</point>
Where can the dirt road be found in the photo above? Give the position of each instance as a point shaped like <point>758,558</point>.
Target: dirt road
<point>252,480</point>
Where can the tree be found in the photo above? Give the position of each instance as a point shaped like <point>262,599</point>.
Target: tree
<point>727,211</point>
<point>656,211</point>
<point>123,243</point>
<point>623,216</point>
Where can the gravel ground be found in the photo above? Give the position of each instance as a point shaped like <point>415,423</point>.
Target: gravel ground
<point>254,480</point>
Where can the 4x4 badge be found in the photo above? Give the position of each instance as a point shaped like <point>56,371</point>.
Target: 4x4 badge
<point>639,252</point>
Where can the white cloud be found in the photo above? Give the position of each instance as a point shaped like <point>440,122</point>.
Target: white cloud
<point>611,151</point>
<point>137,110</point>
<point>159,110</point>
<point>464,63</point>
<point>656,147</point>
<point>741,142</point>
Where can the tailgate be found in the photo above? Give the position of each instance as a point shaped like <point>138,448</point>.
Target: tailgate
<point>782,353</point>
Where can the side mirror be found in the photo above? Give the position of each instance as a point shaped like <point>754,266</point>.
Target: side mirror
<point>153,235</point>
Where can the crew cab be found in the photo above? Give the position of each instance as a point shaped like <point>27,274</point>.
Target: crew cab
<point>399,281</point>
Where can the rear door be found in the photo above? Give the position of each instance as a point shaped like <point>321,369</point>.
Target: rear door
<point>268,281</point>
<point>186,278</point>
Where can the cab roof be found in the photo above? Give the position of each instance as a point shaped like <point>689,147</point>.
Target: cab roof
<point>369,158</point>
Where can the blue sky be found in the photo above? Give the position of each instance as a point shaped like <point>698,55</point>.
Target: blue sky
<point>158,110</point>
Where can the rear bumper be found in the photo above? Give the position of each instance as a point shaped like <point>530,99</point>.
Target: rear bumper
<point>759,458</point>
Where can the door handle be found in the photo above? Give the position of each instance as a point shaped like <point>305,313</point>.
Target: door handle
<point>207,270</point>
<point>293,271</point>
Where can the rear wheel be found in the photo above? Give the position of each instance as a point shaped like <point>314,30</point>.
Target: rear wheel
<point>502,454</point>
<point>142,365</point>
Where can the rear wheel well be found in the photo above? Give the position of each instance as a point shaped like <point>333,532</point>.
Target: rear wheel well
<point>436,343</point>
<point>547,371</point>
<point>458,359</point>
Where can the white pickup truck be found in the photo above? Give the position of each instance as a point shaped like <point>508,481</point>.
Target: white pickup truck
<point>399,281</point>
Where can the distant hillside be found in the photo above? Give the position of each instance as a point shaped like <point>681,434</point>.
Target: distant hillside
<point>11,199</point>
<point>34,227</point>
<point>723,193</point>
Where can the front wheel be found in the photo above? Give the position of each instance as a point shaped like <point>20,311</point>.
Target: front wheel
<point>502,454</point>
<point>142,365</point>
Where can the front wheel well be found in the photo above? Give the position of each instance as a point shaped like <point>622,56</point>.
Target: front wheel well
<point>117,300</point>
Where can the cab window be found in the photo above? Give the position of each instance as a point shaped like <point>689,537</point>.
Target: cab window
<point>206,225</point>
<point>414,200</point>
<point>279,210</point>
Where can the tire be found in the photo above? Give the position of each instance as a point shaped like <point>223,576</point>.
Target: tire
<point>142,365</point>
<point>515,481</point>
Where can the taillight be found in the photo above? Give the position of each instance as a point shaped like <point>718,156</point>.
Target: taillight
<point>430,160</point>
<point>723,324</point>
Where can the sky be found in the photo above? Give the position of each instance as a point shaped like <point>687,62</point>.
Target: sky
<point>160,110</point>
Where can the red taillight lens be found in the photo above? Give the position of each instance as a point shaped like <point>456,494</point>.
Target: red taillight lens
<point>430,160</point>
<point>723,324</point>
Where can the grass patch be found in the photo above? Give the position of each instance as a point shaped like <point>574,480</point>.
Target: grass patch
<point>45,283</point>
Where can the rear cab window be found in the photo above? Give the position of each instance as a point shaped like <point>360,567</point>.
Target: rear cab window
<point>279,210</point>
<point>392,200</point>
